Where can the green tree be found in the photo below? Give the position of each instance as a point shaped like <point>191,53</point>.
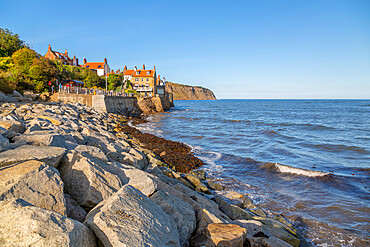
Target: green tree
<point>114,81</point>
<point>41,72</point>
<point>9,43</point>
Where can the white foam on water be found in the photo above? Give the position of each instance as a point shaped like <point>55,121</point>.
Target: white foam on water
<point>148,127</point>
<point>208,157</point>
<point>299,171</point>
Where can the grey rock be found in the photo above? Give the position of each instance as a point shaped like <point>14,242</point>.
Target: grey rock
<point>275,228</point>
<point>50,155</point>
<point>4,98</point>
<point>12,123</point>
<point>35,182</point>
<point>181,212</point>
<point>195,199</point>
<point>74,211</point>
<point>234,212</point>
<point>43,138</point>
<point>4,143</point>
<point>200,174</point>
<point>23,224</point>
<point>129,218</point>
<point>91,152</point>
<point>90,180</point>
<point>7,134</point>
<point>267,242</point>
<point>215,186</point>
<point>16,94</point>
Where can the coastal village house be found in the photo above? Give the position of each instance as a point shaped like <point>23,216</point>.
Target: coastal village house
<point>144,81</point>
<point>63,57</point>
<point>160,88</point>
<point>127,74</point>
<point>100,68</point>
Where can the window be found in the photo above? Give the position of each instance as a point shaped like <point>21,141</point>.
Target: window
<point>147,85</point>
<point>87,66</point>
<point>99,66</point>
<point>147,79</point>
<point>142,79</point>
<point>137,72</point>
<point>136,79</point>
<point>148,72</point>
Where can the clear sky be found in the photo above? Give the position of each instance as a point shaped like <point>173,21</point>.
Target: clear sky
<point>239,49</point>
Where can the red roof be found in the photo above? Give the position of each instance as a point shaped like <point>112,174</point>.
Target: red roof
<point>93,65</point>
<point>129,72</point>
<point>144,73</point>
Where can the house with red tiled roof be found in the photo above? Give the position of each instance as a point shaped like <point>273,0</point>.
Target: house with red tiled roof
<point>127,74</point>
<point>100,68</point>
<point>63,57</point>
<point>144,81</point>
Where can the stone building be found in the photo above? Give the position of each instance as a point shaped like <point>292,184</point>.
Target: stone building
<point>63,57</point>
<point>100,68</point>
<point>144,81</point>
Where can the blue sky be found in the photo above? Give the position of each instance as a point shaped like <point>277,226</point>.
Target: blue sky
<point>239,49</point>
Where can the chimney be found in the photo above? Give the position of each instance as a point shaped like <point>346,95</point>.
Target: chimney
<point>135,68</point>
<point>143,66</point>
<point>125,68</point>
<point>164,79</point>
<point>77,61</point>
<point>49,48</point>
<point>105,61</point>
<point>159,77</point>
<point>66,52</point>
<point>74,56</point>
<point>154,67</point>
<point>85,61</point>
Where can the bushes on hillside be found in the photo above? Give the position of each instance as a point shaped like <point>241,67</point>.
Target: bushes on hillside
<point>9,43</point>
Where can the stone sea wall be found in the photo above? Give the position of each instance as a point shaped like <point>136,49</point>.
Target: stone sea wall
<point>116,104</point>
<point>70,175</point>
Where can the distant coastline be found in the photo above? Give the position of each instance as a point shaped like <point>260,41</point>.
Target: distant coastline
<point>185,92</point>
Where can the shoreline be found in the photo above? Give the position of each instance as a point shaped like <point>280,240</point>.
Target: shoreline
<point>100,165</point>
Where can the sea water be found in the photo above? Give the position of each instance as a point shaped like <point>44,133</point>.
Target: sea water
<point>318,153</point>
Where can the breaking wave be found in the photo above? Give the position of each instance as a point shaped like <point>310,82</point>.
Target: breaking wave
<point>292,170</point>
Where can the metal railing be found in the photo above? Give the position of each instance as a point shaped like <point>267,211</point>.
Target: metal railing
<point>91,91</point>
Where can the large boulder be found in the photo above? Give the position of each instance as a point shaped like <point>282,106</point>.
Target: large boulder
<point>267,242</point>
<point>275,228</point>
<point>12,123</point>
<point>23,224</point>
<point>4,98</point>
<point>234,212</point>
<point>90,180</point>
<point>181,212</point>
<point>35,182</point>
<point>4,143</point>
<point>50,155</point>
<point>129,218</point>
<point>132,157</point>
<point>43,138</point>
<point>195,199</point>
<point>219,234</point>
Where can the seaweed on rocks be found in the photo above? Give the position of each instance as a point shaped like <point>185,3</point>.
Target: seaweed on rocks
<point>178,155</point>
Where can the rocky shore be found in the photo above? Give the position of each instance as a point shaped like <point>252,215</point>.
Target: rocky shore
<point>74,176</point>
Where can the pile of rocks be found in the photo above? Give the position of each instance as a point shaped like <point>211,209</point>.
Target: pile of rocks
<point>70,177</point>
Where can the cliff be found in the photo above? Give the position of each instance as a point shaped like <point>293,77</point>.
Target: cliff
<point>184,92</point>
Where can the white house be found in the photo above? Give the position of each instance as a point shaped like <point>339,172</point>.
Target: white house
<point>100,68</point>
